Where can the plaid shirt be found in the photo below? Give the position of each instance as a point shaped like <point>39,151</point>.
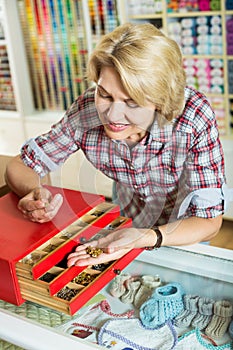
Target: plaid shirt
<point>155,176</point>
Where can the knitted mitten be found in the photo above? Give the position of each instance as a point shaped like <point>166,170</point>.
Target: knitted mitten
<point>205,312</point>
<point>148,284</point>
<point>223,311</point>
<point>190,310</point>
<point>165,303</point>
<point>131,287</point>
<point>117,287</point>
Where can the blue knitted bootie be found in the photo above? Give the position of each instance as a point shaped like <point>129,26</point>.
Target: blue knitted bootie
<point>165,303</point>
<point>230,329</point>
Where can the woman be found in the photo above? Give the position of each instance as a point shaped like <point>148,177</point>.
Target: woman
<point>141,126</point>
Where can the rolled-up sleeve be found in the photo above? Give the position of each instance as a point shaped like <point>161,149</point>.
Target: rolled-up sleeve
<point>205,167</point>
<point>49,151</point>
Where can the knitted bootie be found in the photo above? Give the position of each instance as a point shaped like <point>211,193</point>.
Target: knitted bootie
<point>230,329</point>
<point>205,312</point>
<point>117,287</point>
<point>165,303</point>
<point>184,319</point>
<point>131,287</point>
<point>148,284</point>
<point>223,311</point>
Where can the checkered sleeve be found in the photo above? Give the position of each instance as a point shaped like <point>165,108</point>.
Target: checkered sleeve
<point>205,167</point>
<point>48,151</point>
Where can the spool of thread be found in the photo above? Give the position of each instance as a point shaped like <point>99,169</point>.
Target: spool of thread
<point>217,81</point>
<point>202,29</point>
<point>202,20</point>
<point>230,49</point>
<point>188,50</point>
<point>229,38</point>
<point>176,38</point>
<point>215,20</point>
<point>230,65</point>
<point>189,62</point>
<point>190,80</point>
<point>216,39</point>
<point>216,89</point>
<point>216,63</point>
<point>215,5</point>
<point>204,5</point>
<point>216,49</point>
<point>188,22</point>
<point>230,76</point>
<point>188,32</point>
<point>203,39</point>
<point>190,71</point>
<point>202,72</point>
<point>204,88</point>
<point>203,81</point>
<point>216,72</point>
<point>174,27</point>
<point>215,29</point>
<point>202,63</point>
<point>203,49</point>
<point>188,41</point>
<point>229,4</point>
<point>229,25</point>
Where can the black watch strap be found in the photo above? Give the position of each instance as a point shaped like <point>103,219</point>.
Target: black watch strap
<point>159,239</point>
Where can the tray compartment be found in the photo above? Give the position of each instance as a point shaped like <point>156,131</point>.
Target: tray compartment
<point>68,289</point>
<point>54,250</point>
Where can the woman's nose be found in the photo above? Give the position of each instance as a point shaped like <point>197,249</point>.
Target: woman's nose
<point>116,112</point>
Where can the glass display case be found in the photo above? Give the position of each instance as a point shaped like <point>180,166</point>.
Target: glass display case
<point>201,270</point>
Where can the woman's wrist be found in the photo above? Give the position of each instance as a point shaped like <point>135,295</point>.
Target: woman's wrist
<point>157,239</point>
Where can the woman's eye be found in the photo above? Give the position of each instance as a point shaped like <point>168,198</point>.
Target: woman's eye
<point>103,95</point>
<point>131,104</point>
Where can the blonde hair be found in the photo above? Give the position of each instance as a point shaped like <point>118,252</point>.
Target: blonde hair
<point>149,64</point>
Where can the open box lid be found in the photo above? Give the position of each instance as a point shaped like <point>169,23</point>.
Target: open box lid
<point>18,236</point>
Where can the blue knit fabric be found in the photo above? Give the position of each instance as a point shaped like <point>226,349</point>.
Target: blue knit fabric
<point>230,330</point>
<point>165,303</point>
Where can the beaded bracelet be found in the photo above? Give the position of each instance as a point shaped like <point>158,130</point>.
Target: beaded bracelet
<point>158,241</point>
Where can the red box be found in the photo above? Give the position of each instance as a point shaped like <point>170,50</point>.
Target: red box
<point>30,252</point>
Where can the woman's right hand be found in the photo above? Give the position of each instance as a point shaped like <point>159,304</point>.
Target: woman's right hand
<point>39,205</point>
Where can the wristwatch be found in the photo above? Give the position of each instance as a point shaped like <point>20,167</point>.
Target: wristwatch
<point>159,239</point>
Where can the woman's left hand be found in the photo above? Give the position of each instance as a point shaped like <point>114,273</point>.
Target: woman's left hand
<point>113,246</point>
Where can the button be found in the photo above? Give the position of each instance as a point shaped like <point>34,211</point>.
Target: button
<point>131,167</point>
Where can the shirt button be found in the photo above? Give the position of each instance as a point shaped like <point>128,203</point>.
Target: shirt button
<point>131,167</point>
<point>135,186</point>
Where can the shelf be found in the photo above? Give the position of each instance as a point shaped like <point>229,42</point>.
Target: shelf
<point>4,114</point>
<point>147,16</point>
<point>193,14</point>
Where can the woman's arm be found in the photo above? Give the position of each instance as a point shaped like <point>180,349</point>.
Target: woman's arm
<point>119,242</point>
<point>36,203</point>
<point>20,178</point>
<point>191,230</point>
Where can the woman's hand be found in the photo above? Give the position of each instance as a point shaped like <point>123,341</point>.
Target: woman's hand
<point>39,205</point>
<point>114,246</point>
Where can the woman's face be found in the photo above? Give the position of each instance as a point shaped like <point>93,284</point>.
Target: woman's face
<point>121,117</point>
